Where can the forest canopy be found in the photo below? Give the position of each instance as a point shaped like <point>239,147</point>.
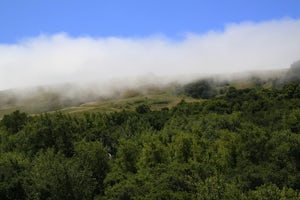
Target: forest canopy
<point>244,144</point>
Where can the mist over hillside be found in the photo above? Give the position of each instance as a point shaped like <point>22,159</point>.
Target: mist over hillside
<point>53,71</point>
<point>294,72</point>
<point>243,144</point>
<point>58,96</point>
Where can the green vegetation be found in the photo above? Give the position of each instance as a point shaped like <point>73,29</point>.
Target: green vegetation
<point>244,144</point>
<point>156,100</point>
<point>40,101</point>
<point>201,89</point>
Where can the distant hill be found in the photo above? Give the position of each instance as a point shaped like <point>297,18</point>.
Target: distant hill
<point>76,98</point>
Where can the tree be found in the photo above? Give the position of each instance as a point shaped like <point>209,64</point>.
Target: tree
<point>14,122</point>
<point>153,152</point>
<point>200,89</point>
<point>93,157</point>
<point>12,172</point>
<point>55,131</point>
<point>183,147</point>
<point>216,187</point>
<point>127,155</point>
<point>142,109</point>
<point>53,176</point>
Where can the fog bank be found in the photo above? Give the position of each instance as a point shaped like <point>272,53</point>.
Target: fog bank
<point>60,58</point>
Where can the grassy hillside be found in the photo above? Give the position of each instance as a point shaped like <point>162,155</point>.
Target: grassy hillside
<point>73,99</point>
<point>47,101</point>
<point>156,100</point>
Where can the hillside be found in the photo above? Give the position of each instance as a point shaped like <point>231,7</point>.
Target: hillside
<point>156,100</point>
<point>206,139</point>
<point>74,98</point>
<point>47,100</point>
<point>243,144</point>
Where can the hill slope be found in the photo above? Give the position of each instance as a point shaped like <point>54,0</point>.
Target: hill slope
<point>73,98</point>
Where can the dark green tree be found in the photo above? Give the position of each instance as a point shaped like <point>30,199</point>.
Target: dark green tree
<point>14,122</point>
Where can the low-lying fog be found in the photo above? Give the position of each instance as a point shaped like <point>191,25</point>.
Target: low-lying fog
<point>106,63</point>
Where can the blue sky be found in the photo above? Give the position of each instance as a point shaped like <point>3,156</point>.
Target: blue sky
<point>46,42</point>
<point>133,18</point>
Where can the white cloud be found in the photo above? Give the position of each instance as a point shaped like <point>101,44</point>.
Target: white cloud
<point>61,58</point>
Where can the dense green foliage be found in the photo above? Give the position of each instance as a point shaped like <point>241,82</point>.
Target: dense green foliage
<point>203,89</point>
<point>242,145</point>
